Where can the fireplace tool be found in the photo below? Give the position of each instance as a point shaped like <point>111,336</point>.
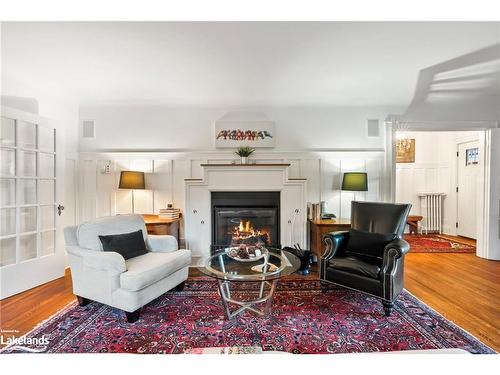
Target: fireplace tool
<point>304,256</point>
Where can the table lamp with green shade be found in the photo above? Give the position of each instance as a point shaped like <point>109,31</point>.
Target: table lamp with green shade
<point>132,180</point>
<point>355,181</point>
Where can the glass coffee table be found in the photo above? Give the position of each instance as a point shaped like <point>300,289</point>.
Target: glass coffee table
<point>265,271</point>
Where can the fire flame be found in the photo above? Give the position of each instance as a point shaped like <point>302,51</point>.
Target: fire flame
<point>245,230</point>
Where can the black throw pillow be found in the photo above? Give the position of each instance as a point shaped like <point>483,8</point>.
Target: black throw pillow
<point>129,245</point>
<point>368,243</point>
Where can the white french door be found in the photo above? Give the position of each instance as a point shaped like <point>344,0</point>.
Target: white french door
<point>467,185</point>
<point>31,177</point>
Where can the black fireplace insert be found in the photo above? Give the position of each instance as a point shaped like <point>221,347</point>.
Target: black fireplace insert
<point>250,218</point>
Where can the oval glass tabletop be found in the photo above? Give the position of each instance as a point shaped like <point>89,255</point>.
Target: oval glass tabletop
<point>276,264</point>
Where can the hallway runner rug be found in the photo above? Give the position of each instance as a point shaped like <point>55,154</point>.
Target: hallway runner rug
<point>435,243</point>
<point>303,320</point>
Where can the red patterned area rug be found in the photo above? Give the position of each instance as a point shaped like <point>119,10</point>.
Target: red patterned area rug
<point>435,243</point>
<point>303,320</point>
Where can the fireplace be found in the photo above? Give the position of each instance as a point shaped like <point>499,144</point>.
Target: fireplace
<point>245,218</point>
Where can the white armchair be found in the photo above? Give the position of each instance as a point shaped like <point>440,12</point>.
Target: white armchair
<point>106,277</point>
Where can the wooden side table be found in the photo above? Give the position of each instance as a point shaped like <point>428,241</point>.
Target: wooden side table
<point>412,222</point>
<point>317,228</point>
<point>157,225</point>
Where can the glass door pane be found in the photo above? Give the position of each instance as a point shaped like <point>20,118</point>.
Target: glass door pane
<point>27,247</point>
<point>7,192</point>
<point>26,165</point>
<point>47,165</point>
<point>47,217</point>
<point>8,132</point>
<point>47,242</point>
<point>7,162</point>
<point>7,221</point>
<point>7,251</point>
<point>47,191</point>
<point>27,219</point>
<point>26,133</point>
<point>27,191</point>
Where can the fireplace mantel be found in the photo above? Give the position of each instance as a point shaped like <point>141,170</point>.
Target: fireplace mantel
<point>244,177</point>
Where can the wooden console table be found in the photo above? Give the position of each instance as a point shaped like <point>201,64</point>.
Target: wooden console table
<point>157,225</point>
<point>317,228</point>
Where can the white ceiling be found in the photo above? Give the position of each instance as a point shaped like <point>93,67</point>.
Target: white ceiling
<point>236,63</point>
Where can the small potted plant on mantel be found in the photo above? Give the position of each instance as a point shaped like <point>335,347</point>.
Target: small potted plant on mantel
<point>244,152</point>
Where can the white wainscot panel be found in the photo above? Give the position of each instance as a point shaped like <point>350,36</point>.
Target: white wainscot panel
<point>330,184</point>
<point>269,161</point>
<point>88,182</point>
<point>419,179</point>
<point>143,201</point>
<point>346,197</point>
<point>179,169</point>
<point>405,188</point>
<point>294,171</point>
<point>195,168</point>
<point>122,165</point>
<point>105,188</point>
<point>293,217</point>
<point>310,169</point>
<point>142,165</point>
<point>161,182</point>
<point>223,160</point>
<point>373,168</point>
<point>198,220</point>
<point>431,179</point>
<point>123,201</point>
<point>253,180</point>
<point>445,179</point>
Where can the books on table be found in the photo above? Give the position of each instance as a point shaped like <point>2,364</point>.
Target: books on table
<point>169,213</point>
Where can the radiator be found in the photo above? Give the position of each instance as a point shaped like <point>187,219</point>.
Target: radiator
<point>431,208</point>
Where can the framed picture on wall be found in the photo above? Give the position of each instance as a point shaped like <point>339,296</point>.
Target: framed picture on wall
<point>232,134</point>
<point>405,151</point>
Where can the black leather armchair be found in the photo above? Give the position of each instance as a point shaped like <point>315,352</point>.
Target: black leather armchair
<point>376,269</point>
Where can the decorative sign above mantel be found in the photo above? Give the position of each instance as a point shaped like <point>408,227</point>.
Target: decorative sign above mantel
<point>247,165</point>
<point>231,134</point>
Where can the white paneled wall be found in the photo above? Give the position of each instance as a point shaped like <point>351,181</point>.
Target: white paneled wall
<point>110,200</point>
<point>414,178</point>
<point>165,174</point>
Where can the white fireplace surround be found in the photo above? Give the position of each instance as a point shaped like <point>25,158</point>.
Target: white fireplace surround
<point>256,177</point>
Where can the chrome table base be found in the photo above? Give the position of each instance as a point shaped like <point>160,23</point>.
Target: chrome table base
<point>225,294</point>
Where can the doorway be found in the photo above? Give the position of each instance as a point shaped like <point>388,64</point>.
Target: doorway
<point>439,173</point>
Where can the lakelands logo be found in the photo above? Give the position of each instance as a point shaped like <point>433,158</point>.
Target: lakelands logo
<point>26,344</point>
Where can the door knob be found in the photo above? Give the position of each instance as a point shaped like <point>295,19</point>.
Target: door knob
<point>60,209</point>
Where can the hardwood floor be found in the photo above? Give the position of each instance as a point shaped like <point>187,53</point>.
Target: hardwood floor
<point>462,287</point>
<point>22,312</point>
